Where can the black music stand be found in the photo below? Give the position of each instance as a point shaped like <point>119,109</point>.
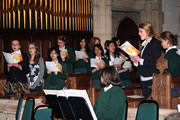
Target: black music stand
<point>71,108</point>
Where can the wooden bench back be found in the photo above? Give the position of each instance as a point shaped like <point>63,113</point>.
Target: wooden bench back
<point>161,89</point>
<point>79,81</point>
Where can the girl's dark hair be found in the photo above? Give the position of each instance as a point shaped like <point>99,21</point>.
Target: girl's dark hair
<point>110,76</point>
<point>114,39</point>
<point>170,37</point>
<point>106,44</point>
<point>16,40</point>
<point>83,38</point>
<point>99,47</point>
<point>119,51</point>
<point>37,54</point>
<point>53,49</point>
<point>115,52</point>
<point>86,43</point>
<point>61,37</point>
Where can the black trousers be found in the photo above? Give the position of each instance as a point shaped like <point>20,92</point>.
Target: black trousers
<point>145,88</point>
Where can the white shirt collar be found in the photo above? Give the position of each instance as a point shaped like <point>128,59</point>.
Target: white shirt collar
<point>98,58</point>
<point>62,49</point>
<point>112,57</point>
<point>107,88</point>
<point>83,50</point>
<point>146,41</point>
<point>170,48</point>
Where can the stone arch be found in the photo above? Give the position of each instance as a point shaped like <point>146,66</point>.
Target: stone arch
<point>126,29</point>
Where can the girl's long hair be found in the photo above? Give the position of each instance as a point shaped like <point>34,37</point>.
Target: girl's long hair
<point>37,54</point>
<point>107,54</point>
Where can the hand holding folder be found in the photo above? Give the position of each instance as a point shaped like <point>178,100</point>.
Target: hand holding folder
<point>81,54</point>
<point>64,53</point>
<point>14,57</point>
<point>97,63</point>
<point>129,49</point>
<point>52,66</point>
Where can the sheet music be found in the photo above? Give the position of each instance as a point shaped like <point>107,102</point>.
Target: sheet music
<point>119,60</point>
<point>14,57</point>
<point>178,106</point>
<point>52,66</point>
<point>81,54</point>
<point>127,64</point>
<point>93,62</point>
<point>50,92</point>
<point>135,96</point>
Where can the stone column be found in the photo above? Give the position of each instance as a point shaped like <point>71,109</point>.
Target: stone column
<point>151,12</point>
<point>102,19</point>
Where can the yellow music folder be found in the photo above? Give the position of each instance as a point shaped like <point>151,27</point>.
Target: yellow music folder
<point>14,57</point>
<point>129,49</point>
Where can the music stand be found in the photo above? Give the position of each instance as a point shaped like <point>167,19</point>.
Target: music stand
<point>70,104</point>
<point>73,108</point>
<point>52,100</point>
<point>80,108</point>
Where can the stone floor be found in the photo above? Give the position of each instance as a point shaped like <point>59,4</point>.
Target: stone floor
<point>8,109</point>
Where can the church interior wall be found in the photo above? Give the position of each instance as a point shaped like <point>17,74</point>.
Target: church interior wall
<point>171,9</point>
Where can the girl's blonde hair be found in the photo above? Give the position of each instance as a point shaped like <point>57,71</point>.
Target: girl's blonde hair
<point>147,26</point>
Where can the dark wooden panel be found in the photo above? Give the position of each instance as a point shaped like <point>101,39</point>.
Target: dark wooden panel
<point>1,56</point>
<point>24,45</point>
<point>45,47</point>
<point>39,43</point>
<point>79,81</point>
<point>45,40</point>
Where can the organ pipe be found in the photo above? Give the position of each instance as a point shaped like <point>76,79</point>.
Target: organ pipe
<point>65,15</point>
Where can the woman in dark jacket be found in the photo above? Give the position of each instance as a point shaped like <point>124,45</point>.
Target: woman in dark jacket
<point>16,73</point>
<point>146,61</point>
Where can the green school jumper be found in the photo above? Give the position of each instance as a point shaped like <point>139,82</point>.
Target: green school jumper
<point>55,82</point>
<point>81,64</point>
<point>125,78</point>
<point>173,62</point>
<point>110,104</point>
<point>70,60</point>
<point>91,53</point>
<point>95,77</point>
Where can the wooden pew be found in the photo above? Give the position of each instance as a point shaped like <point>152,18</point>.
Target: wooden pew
<point>135,89</point>
<point>94,95</point>
<point>175,99</point>
<point>79,81</point>
<point>161,90</point>
<point>3,78</point>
